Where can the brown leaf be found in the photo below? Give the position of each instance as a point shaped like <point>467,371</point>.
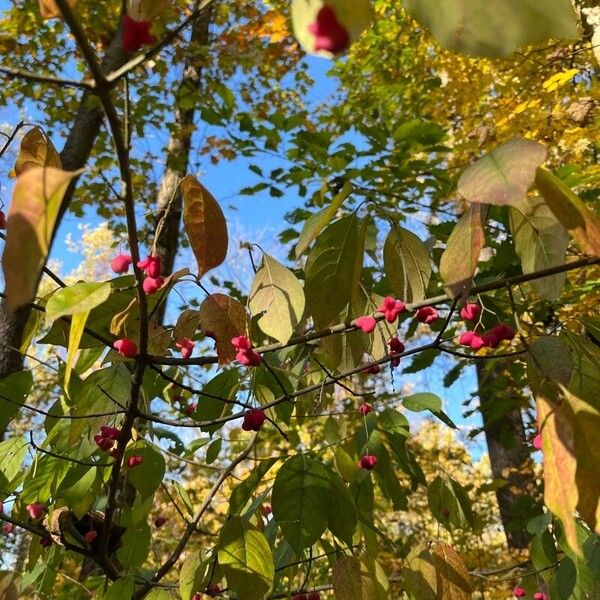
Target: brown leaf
<point>187,324</point>
<point>204,224</point>
<point>31,219</point>
<point>223,318</point>
<point>568,208</point>
<point>560,465</point>
<point>49,9</point>
<point>459,260</point>
<point>352,580</point>
<point>37,150</point>
<point>453,581</point>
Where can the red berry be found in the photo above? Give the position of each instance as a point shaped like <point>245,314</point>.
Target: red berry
<point>112,433</point>
<point>160,521</point>
<point>372,369</point>
<point>197,596</point>
<point>366,323</point>
<point>2,220</point>
<point>396,346</point>
<point>254,419</point>
<point>330,34</point>
<point>134,461</point>
<point>7,528</point>
<point>151,285</point>
<point>490,340</point>
<point>213,590</point>
<point>136,34</point>
<point>299,597</point>
<point>1,507</point>
<point>120,263</point>
<point>314,596</point>
<point>104,443</point>
<point>540,596</point>
<point>266,509</point>
<point>519,592</point>
<point>45,542</point>
<point>368,462</point>
<point>190,409</point>
<point>477,342</point>
<point>151,266</point>
<point>465,338</point>
<point>125,347</point>
<point>242,342</point>
<point>391,308</point>
<point>503,331</point>
<point>364,409</point>
<point>427,314</point>
<point>90,536</point>
<point>185,346</point>
<point>470,312</point>
<point>35,510</point>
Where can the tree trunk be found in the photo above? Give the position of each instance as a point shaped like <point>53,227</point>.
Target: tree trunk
<point>508,448</point>
<point>168,199</point>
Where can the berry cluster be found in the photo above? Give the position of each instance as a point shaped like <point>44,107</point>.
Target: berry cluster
<point>491,339</point>
<point>107,437</point>
<point>245,354</point>
<point>519,592</point>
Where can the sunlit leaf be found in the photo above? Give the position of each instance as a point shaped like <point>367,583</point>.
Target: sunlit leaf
<point>37,150</point>
<point>204,224</point>
<point>351,579</point>
<point>504,175</point>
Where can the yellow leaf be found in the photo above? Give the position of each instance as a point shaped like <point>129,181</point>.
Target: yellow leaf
<point>36,151</point>
<point>76,332</point>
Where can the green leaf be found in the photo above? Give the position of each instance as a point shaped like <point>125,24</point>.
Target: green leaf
<point>300,500</point>
<point>353,15</point>
<point>192,575</point>
<point>78,298</point>
<point>419,574</point>
<point>459,260</point>
<point>12,454</point>
<point>318,221</point>
<point>246,559</point>
<point>147,476</point>
<point>136,545</point>
<point>342,518</point>
<point>449,503</point>
<point>497,27</point>
<point>36,200</point>
<point>242,493</point>
<point>279,296</point>
<point>351,579</point>
<point>541,243</point>
<point>503,176</point>
<point>331,280</point>
<point>224,385</point>
<point>204,224</point>
<point>407,264</point>
<point>428,401</point>
<point>581,222</point>
<point>122,588</point>
<point>158,594</point>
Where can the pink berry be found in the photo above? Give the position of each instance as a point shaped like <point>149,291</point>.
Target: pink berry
<point>254,420</point>
<point>160,521</point>
<point>134,461</point>
<point>126,347</point>
<point>136,34</point>
<point>248,358</point>
<point>242,342</point>
<point>391,308</point>
<point>427,315</point>
<point>537,442</point>
<point>368,462</point>
<point>330,34</point>
<point>103,443</point>
<point>540,596</point>
<point>185,346</point>
<point>35,510</point>
<point>519,592</point>
<point>151,265</point>
<point>477,342</point>
<point>151,285</point>
<point>470,312</point>
<point>90,536</point>
<point>366,323</point>
<point>1,507</point>
<point>7,528</point>
<point>120,263</point>
<point>364,409</point>
<point>465,338</point>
